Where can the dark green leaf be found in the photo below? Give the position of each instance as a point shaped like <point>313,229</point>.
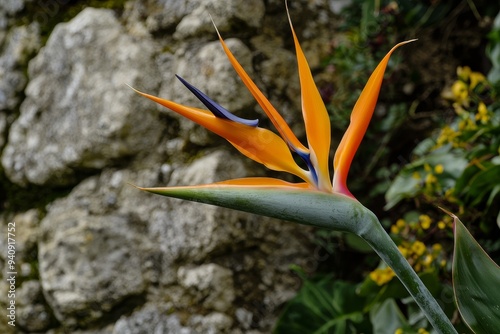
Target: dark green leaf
<point>476,281</point>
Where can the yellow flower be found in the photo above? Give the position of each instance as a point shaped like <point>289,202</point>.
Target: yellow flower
<point>482,113</point>
<point>418,248</point>
<point>430,179</point>
<point>459,109</point>
<point>463,72</point>
<point>460,91</point>
<point>447,135</point>
<point>428,260</point>
<point>399,331</point>
<point>437,248</point>
<point>394,229</point>
<point>425,221</point>
<point>441,225</point>
<point>382,276</point>
<point>422,331</point>
<point>400,223</point>
<point>438,169</point>
<point>475,78</point>
<point>416,175</point>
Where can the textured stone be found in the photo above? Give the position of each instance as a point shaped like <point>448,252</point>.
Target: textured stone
<point>11,6</point>
<point>27,232</point>
<point>114,259</point>
<point>198,21</point>
<point>213,323</point>
<point>168,14</point>
<point>89,264</point>
<point>191,232</point>
<point>210,284</point>
<point>19,45</point>
<point>78,114</point>
<point>150,320</point>
<point>33,315</point>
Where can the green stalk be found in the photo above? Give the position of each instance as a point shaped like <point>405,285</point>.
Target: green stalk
<point>332,211</point>
<point>383,245</point>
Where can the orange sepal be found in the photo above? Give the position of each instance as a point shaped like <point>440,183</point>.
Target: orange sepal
<point>260,182</point>
<point>277,120</point>
<point>360,118</point>
<point>316,119</point>
<point>258,144</point>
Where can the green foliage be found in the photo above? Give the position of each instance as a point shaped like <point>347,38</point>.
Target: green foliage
<point>476,279</point>
<point>493,51</point>
<point>459,167</point>
<point>324,306</point>
<point>328,305</point>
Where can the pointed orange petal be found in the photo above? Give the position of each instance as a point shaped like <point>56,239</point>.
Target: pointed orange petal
<point>278,121</point>
<point>360,118</point>
<point>241,183</point>
<point>256,143</point>
<point>316,119</point>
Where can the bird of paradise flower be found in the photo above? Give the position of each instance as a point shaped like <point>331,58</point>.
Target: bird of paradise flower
<point>275,152</point>
<point>318,200</point>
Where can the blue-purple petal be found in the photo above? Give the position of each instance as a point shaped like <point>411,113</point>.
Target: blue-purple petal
<point>215,108</point>
<point>306,157</point>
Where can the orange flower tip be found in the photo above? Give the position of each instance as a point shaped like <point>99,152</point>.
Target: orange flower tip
<point>137,91</point>
<point>406,42</point>
<point>215,108</point>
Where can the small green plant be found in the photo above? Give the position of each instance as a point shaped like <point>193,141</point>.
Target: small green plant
<point>460,166</point>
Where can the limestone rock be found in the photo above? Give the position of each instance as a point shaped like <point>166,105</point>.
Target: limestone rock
<point>210,284</point>
<point>213,323</point>
<point>78,114</point>
<point>150,320</point>
<point>33,315</point>
<point>89,264</point>
<point>11,6</point>
<point>20,44</point>
<point>114,259</point>
<point>198,21</point>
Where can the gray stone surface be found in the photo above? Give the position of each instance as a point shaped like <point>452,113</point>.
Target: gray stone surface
<point>105,257</point>
<point>89,264</point>
<point>150,320</point>
<point>210,286</point>
<point>33,315</point>
<point>11,6</point>
<point>78,114</point>
<point>224,12</point>
<point>19,45</point>
<point>212,323</point>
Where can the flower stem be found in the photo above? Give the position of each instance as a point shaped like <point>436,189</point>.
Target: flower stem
<point>383,245</point>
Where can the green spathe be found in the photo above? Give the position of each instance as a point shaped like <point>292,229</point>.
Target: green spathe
<point>311,207</point>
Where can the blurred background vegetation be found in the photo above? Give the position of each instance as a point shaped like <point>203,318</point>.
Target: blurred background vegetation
<point>434,141</point>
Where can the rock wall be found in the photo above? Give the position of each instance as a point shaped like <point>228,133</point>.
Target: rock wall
<point>94,254</point>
